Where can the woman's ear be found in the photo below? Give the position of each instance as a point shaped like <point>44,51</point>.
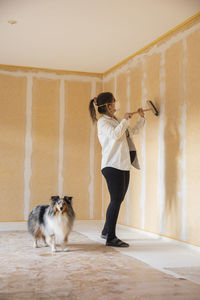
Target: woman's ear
<point>108,107</point>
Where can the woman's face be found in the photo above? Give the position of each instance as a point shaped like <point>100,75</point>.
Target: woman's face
<point>111,107</point>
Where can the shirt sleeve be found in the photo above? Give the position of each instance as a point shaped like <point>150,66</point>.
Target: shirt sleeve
<point>139,124</point>
<point>105,128</point>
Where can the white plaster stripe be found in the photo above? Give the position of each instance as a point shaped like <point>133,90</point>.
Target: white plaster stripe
<point>28,147</point>
<point>143,160</point>
<point>61,137</point>
<point>182,162</point>
<point>128,195</point>
<point>161,147</point>
<point>92,168</point>
<point>46,75</point>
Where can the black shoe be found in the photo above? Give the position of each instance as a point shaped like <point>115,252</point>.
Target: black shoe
<point>104,236</point>
<point>117,243</point>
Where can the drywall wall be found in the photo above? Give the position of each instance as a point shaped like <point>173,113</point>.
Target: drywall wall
<point>163,196</point>
<point>48,143</point>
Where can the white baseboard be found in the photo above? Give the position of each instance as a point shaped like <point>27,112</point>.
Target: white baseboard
<point>12,226</point>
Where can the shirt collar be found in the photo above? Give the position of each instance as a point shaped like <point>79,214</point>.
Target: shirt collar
<point>107,117</point>
<point>110,118</point>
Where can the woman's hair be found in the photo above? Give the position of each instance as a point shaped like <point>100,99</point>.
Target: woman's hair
<point>100,101</point>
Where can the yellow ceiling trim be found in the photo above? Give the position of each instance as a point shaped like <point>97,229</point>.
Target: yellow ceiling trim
<point>153,43</point>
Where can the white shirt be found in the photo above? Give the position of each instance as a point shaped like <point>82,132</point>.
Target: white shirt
<point>115,147</point>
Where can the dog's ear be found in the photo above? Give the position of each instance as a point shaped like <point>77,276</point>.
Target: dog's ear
<point>54,198</point>
<point>68,199</point>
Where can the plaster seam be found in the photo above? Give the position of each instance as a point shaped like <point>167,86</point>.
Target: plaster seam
<point>182,161</point>
<point>143,169</point>
<point>51,76</point>
<point>61,138</point>
<point>92,168</point>
<point>161,148</point>
<point>28,148</point>
<point>128,197</point>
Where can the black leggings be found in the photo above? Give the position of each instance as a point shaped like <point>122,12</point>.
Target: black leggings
<point>117,182</point>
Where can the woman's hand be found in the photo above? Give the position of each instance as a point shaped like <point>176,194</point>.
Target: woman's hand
<point>141,112</point>
<point>128,115</point>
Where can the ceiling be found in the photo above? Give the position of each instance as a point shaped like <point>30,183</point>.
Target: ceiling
<point>84,35</point>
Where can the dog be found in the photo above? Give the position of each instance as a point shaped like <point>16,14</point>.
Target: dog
<point>52,223</point>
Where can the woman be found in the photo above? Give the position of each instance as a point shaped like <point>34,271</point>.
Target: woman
<point>118,153</point>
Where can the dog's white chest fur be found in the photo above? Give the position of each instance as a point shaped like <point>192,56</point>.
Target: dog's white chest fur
<point>58,225</point>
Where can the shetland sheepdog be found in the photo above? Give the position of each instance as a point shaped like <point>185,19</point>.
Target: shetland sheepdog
<point>52,223</point>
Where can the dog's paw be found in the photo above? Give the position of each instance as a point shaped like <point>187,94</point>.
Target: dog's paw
<point>53,250</point>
